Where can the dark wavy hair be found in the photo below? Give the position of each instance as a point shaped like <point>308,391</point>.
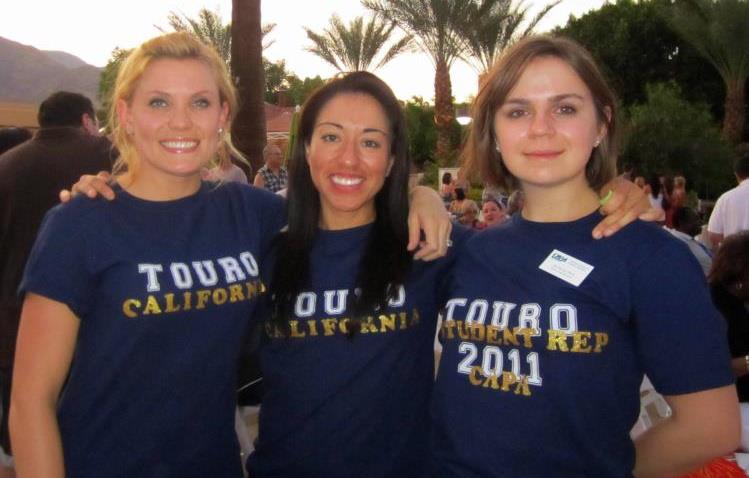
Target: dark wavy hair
<point>386,260</point>
<point>731,261</point>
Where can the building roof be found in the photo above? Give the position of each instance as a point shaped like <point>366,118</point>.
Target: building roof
<point>22,115</point>
<point>278,118</point>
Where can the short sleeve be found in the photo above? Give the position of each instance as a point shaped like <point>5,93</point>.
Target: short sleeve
<point>715,224</point>
<point>459,237</point>
<point>681,338</point>
<point>57,267</point>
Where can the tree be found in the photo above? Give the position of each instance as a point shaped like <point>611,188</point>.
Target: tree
<point>208,27</point>
<point>493,26</point>
<point>300,89</point>
<point>275,78</point>
<point>634,46</point>
<point>436,28</point>
<point>353,47</point>
<point>107,79</point>
<point>718,30</point>
<point>248,130</point>
<point>669,135</point>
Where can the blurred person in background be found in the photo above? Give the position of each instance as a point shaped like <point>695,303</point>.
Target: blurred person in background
<point>729,286</point>
<point>66,146</point>
<point>12,137</point>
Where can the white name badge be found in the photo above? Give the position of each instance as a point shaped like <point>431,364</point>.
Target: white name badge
<point>566,267</point>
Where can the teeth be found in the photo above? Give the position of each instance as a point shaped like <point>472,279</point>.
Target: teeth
<point>341,181</point>
<point>179,144</point>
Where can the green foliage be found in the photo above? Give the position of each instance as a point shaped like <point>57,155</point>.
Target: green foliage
<point>718,29</point>
<point>355,46</point>
<point>107,79</point>
<point>422,132</point>
<point>275,79</point>
<point>493,25</point>
<point>300,89</point>
<point>208,27</point>
<point>634,45</point>
<point>431,171</point>
<point>668,135</point>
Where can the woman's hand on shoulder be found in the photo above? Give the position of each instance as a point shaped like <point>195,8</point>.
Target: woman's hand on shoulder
<point>622,202</point>
<point>427,213</point>
<point>90,186</point>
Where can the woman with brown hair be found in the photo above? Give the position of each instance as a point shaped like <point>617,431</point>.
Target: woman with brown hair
<point>548,333</point>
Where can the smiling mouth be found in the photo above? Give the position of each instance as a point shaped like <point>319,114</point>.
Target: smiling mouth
<point>543,154</point>
<point>180,146</point>
<point>346,181</point>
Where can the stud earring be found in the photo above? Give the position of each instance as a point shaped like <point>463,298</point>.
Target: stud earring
<point>598,141</point>
<point>220,132</point>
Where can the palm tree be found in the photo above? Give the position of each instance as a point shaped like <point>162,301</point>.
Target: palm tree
<point>718,30</point>
<point>248,131</point>
<point>435,26</point>
<point>209,27</point>
<point>353,47</point>
<point>493,26</point>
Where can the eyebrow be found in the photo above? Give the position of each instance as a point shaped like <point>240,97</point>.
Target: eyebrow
<point>553,99</point>
<point>336,125</point>
<point>164,93</point>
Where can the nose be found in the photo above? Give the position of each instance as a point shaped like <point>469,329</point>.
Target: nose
<point>180,118</point>
<point>541,123</point>
<point>349,152</point>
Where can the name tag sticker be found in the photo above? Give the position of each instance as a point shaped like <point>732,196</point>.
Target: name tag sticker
<point>566,267</point>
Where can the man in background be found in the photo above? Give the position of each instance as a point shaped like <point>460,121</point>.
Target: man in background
<point>66,146</point>
<point>731,212</point>
<point>272,176</point>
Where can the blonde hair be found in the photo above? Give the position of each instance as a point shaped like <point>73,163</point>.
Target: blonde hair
<point>481,156</point>
<point>177,46</point>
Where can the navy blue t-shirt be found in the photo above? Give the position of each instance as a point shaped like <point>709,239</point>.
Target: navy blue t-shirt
<point>164,292</point>
<point>540,377</point>
<point>336,406</point>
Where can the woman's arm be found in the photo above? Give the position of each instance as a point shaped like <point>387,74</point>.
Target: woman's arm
<point>427,213</point>
<point>703,425</point>
<point>46,341</point>
<point>259,181</point>
<point>740,366</point>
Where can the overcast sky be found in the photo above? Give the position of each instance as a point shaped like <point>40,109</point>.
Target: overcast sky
<point>91,29</point>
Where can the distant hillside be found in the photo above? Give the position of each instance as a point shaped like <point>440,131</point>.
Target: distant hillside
<point>65,59</point>
<point>28,75</point>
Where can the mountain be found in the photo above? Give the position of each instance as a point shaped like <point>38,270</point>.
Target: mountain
<point>28,75</point>
<point>65,59</point>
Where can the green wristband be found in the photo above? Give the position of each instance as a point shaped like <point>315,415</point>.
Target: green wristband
<point>606,198</point>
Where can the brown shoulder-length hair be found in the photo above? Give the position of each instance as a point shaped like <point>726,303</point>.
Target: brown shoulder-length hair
<point>480,156</point>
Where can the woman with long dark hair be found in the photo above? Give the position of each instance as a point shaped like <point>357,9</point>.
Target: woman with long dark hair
<point>348,363</point>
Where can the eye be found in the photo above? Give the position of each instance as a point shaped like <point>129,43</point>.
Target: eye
<point>567,109</point>
<point>157,103</point>
<point>201,103</point>
<point>329,138</point>
<point>370,143</point>
<point>515,113</point>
